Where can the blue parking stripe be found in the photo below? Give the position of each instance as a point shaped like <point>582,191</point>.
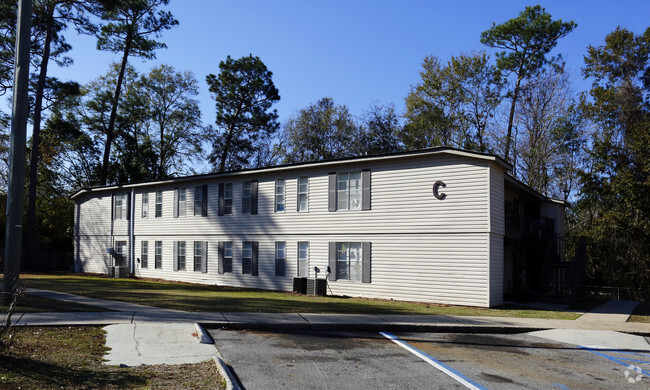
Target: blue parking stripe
<point>613,359</point>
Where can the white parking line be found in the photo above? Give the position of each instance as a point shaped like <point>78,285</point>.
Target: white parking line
<point>465,381</point>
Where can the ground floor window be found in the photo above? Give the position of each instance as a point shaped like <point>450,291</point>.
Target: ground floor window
<point>226,257</point>
<point>158,254</point>
<point>348,261</point>
<point>303,259</point>
<point>144,255</point>
<point>200,256</point>
<point>120,254</point>
<point>180,256</point>
<point>247,258</point>
<point>280,258</point>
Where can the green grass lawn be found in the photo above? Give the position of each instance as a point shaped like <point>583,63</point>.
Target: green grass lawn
<point>199,298</point>
<point>71,358</point>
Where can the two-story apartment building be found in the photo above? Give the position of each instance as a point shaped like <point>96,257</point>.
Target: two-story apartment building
<point>426,225</point>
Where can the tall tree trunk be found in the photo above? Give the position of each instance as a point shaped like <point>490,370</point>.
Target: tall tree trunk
<point>511,119</point>
<point>110,132</point>
<point>30,239</point>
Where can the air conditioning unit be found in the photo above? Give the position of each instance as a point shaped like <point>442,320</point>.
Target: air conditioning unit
<point>300,285</point>
<point>317,287</point>
<point>119,272</point>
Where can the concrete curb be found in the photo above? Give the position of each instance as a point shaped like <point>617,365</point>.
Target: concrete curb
<point>204,337</point>
<point>226,374</point>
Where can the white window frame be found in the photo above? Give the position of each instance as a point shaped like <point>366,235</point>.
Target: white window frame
<point>349,261</point>
<point>349,191</point>
<point>120,206</point>
<point>279,203</point>
<point>159,204</point>
<point>144,254</point>
<point>227,198</point>
<point>181,255</point>
<point>227,257</point>
<point>247,197</point>
<point>302,194</point>
<point>198,254</point>
<point>247,258</point>
<point>145,205</point>
<point>281,258</point>
<point>198,201</point>
<point>158,253</point>
<point>182,202</point>
<point>303,259</point>
<point>121,254</point>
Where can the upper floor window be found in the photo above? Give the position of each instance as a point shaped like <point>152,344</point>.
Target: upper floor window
<point>225,198</point>
<point>246,197</point>
<point>303,194</point>
<point>145,205</point>
<point>159,204</point>
<point>180,205</point>
<point>201,200</point>
<point>120,206</point>
<point>279,196</point>
<point>349,191</point>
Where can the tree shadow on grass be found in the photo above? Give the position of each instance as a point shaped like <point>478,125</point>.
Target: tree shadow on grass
<point>31,373</point>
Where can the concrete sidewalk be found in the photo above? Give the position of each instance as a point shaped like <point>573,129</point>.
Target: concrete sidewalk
<point>611,316</point>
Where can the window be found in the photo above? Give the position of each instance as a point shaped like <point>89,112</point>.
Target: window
<point>348,261</point>
<point>159,204</point>
<point>279,196</point>
<point>247,258</point>
<point>145,205</point>
<point>303,259</point>
<point>144,254</point>
<point>179,251</point>
<point>198,255</point>
<point>225,198</point>
<point>225,257</point>
<point>246,198</point>
<point>120,208</point>
<point>348,191</point>
<point>121,255</point>
<point>280,258</point>
<point>180,208</point>
<point>201,200</point>
<point>158,254</point>
<point>303,194</point>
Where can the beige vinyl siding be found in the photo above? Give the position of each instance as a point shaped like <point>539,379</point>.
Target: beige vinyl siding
<point>497,233</point>
<point>423,249</point>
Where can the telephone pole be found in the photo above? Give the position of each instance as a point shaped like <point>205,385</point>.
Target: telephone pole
<point>19,116</point>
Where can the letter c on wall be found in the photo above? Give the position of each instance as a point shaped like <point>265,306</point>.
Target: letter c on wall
<point>436,190</point>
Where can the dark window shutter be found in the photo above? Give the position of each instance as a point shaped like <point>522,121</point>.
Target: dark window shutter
<point>331,199</point>
<point>113,212</point>
<point>220,256</point>
<point>365,187</point>
<point>204,200</point>
<point>254,246</point>
<point>175,255</point>
<point>365,262</point>
<point>204,257</point>
<point>221,202</point>
<point>128,206</point>
<point>332,260</point>
<point>175,202</point>
<point>254,197</point>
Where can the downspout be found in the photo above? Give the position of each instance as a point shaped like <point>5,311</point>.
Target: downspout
<point>132,233</point>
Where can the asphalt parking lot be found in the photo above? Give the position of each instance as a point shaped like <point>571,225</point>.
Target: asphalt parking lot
<point>340,360</point>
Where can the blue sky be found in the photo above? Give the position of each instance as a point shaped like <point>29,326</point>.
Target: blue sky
<point>356,52</point>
